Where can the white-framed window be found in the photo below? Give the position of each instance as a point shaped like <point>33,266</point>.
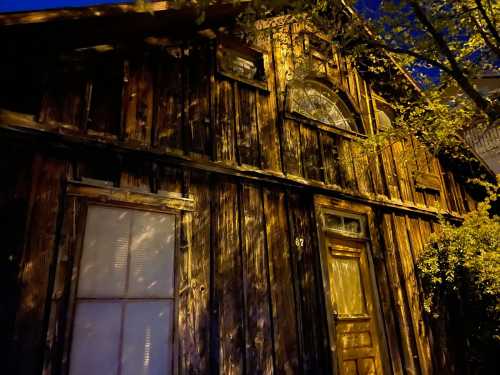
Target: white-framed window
<point>124,293</point>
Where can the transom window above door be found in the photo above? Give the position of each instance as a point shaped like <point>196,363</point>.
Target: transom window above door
<point>344,223</point>
<point>317,102</point>
<point>124,300</point>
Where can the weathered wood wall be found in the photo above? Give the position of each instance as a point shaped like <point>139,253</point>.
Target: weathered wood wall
<point>171,100</point>
<point>250,285</point>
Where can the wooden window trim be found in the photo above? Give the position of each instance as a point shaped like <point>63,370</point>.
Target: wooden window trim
<point>343,106</point>
<point>130,197</point>
<point>253,53</point>
<point>362,236</point>
<point>322,126</point>
<point>62,311</point>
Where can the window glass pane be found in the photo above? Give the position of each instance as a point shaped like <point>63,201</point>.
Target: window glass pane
<point>152,255</point>
<point>103,265</point>
<point>147,338</point>
<point>346,285</point>
<point>352,225</point>
<point>315,101</point>
<point>384,120</point>
<point>96,336</point>
<point>333,222</point>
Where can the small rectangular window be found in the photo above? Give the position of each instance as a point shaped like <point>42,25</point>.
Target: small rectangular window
<point>124,301</point>
<point>342,223</point>
<point>241,62</point>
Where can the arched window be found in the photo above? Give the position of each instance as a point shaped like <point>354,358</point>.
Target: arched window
<point>385,115</point>
<point>316,101</point>
<point>384,121</point>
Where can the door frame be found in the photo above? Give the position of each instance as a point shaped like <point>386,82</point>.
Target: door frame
<point>324,204</point>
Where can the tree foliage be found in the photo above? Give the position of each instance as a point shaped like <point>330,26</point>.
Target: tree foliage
<point>460,271</point>
<point>446,45</point>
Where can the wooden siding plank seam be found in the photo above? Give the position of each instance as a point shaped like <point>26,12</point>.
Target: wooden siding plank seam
<point>212,89</point>
<point>257,129</point>
<point>214,346</point>
<point>419,165</point>
<point>279,119</point>
<point>243,268</point>
<point>236,121</point>
<point>268,280</point>
<point>321,155</point>
<point>399,294</point>
<point>296,286</point>
<point>387,298</point>
<point>407,268</point>
<point>282,284</point>
<point>415,248</point>
<point>185,77</point>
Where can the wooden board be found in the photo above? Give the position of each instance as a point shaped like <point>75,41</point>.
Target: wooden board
<point>198,70</point>
<point>397,283</point>
<point>311,156</point>
<point>247,129</point>
<point>292,158</point>
<point>281,283</point>
<point>361,168</point>
<point>228,299</point>
<point>346,165</point>
<point>169,99</point>
<point>38,262</point>
<point>138,100</point>
<point>105,97</point>
<point>258,334</point>
<point>412,292</point>
<point>224,128</point>
<point>194,281</point>
<point>313,333</point>
<point>269,135</point>
<point>330,157</point>
<point>400,160</point>
<point>63,101</point>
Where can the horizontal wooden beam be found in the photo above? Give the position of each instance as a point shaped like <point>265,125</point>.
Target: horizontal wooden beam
<point>25,128</point>
<point>112,194</point>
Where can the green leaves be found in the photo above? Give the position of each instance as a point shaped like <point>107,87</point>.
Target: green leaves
<point>462,263</point>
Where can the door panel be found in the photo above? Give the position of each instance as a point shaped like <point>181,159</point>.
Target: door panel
<point>352,305</point>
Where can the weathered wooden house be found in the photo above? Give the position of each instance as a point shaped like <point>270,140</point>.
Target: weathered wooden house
<point>177,201</point>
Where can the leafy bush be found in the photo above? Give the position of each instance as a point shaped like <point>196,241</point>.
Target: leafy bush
<point>460,274</point>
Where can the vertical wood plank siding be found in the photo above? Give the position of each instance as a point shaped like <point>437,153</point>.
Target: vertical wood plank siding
<point>38,261</point>
<point>174,100</point>
<point>250,288</point>
<point>266,289</point>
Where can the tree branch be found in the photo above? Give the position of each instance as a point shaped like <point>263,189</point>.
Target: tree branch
<point>402,51</point>
<point>485,37</point>
<point>455,70</point>
<point>491,28</point>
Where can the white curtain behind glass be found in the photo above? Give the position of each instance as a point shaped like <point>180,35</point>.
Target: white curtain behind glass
<point>125,294</point>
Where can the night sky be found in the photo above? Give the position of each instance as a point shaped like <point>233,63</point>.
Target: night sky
<point>25,5</point>
<point>369,6</point>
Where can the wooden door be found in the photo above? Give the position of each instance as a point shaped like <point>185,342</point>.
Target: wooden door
<point>354,318</point>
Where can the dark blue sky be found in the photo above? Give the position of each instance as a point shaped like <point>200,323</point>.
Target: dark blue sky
<point>25,5</point>
<point>369,6</point>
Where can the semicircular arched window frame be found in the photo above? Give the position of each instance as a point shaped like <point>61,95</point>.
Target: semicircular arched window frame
<point>316,101</point>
